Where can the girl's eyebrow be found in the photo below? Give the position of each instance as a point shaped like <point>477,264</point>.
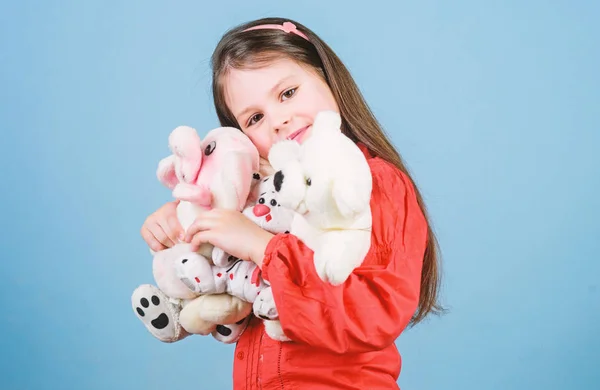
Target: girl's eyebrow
<point>274,90</point>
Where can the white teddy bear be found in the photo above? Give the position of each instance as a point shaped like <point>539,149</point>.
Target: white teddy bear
<point>327,180</point>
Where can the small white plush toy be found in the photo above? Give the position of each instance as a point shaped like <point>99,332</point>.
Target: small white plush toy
<point>327,180</point>
<point>268,213</point>
<point>243,279</point>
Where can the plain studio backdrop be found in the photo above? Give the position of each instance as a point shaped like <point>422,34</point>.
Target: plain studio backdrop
<point>494,105</point>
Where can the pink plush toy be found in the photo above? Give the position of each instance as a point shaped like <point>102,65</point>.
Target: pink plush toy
<point>216,171</point>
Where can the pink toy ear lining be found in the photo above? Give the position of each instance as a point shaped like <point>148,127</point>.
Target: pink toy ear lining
<point>190,169</point>
<point>199,195</point>
<point>187,146</point>
<point>166,172</point>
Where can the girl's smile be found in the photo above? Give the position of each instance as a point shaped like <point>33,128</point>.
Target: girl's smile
<point>276,101</point>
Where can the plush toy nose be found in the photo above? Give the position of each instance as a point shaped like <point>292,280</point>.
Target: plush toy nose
<point>260,209</point>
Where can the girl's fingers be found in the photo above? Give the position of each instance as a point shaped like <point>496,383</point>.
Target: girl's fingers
<point>199,225</point>
<point>161,236</point>
<point>172,228</point>
<point>199,239</point>
<point>152,242</point>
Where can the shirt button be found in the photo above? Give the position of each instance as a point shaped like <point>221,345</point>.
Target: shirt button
<point>240,355</point>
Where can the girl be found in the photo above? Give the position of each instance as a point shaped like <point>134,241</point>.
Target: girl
<point>270,78</point>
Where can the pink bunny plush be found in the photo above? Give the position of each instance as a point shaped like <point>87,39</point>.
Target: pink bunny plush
<point>217,171</point>
<point>206,173</point>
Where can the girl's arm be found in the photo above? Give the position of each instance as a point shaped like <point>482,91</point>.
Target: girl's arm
<point>371,309</point>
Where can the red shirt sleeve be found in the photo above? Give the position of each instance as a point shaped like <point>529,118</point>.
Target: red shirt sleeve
<point>370,310</point>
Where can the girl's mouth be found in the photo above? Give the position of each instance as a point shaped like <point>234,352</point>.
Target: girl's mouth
<point>297,135</point>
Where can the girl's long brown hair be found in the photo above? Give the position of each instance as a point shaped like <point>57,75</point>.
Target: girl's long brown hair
<point>243,49</point>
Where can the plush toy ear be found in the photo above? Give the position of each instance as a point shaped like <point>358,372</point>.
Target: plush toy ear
<point>282,153</point>
<point>187,145</point>
<point>327,121</point>
<point>166,172</point>
<point>348,200</point>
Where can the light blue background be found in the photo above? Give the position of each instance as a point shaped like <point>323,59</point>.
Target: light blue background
<point>494,105</point>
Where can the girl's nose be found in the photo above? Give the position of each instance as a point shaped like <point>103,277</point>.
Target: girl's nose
<point>260,209</point>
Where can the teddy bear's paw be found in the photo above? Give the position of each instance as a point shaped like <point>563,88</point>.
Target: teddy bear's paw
<point>331,267</point>
<point>337,271</point>
<point>264,305</point>
<point>222,259</point>
<point>158,313</point>
<point>275,331</point>
<point>229,334</point>
<point>320,263</point>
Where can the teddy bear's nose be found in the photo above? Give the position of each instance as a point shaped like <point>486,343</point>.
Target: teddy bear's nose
<point>260,209</point>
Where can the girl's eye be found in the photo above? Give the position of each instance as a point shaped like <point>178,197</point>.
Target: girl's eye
<point>254,119</point>
<point>288,94</point>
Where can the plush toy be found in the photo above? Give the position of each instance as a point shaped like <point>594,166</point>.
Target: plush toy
<point>243,278</point>
<point>327,180</point>
<point>217,171</point>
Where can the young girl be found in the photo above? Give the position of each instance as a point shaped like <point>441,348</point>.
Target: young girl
<point>270,78</point>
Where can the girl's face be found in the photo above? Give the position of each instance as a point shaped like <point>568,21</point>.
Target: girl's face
<point>275,102</point>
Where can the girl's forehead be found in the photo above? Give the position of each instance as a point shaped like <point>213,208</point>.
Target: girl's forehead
<point>246,86</point>
<point>264,76</point>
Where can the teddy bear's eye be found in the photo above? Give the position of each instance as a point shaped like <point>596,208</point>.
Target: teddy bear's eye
<point>210,148</point>
<point>261,200</point>
<point>273,202</point>
<point>308,182</point>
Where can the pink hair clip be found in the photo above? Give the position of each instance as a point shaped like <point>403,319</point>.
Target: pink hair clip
<point>288,27</point>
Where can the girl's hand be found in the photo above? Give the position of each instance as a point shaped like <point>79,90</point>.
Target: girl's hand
<point>162,229</point>
<point>230,231</point>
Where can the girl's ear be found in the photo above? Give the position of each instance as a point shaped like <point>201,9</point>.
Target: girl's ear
<point>166,172</point>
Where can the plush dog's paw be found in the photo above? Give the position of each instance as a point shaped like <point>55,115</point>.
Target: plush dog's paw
<point>157,313</point>
<point>264,305</point>
<point>275,331</point>
<point>229,334</point>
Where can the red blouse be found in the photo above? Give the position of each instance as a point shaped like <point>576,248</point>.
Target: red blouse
<point>343,336</point>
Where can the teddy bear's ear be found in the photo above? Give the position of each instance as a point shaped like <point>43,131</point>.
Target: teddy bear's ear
<point>282,153</point>
<point>327,121</point>
<point>348,199</point>
<point>166,172</point>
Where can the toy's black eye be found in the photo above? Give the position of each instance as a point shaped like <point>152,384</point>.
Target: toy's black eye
<point>308,182</point>
<point>273,202</point>
<point>210,148</point>
<point>261,200</point>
